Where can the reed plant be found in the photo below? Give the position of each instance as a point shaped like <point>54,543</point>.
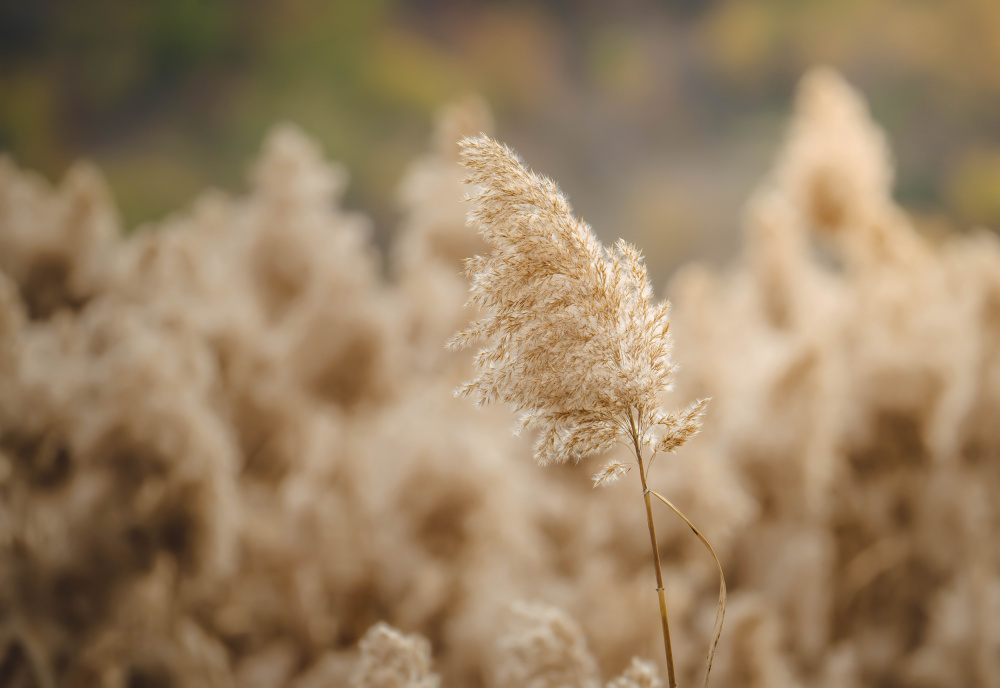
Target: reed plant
<point>574,340</point>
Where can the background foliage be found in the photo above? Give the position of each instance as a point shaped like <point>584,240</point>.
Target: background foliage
<point>657,120</point>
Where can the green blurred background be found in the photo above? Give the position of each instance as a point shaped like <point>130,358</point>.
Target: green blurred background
<point>657,119</point>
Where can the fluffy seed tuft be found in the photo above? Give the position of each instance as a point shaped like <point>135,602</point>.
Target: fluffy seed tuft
<point>574,340</point>
<point>640,674</point>
<point>611,473</point>
<point>390,659</point>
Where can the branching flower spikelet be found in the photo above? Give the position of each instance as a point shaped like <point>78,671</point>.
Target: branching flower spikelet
<point>574,340</point>
<point>680,426</point>
<point>613,471</point>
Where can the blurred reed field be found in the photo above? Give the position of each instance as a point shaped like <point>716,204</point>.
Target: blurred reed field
<point>230,450</point>
<point>230,446</point>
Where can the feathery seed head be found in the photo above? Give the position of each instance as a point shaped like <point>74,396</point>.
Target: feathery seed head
<point>612,471</point>
<point>543,647</point>
<point>573,338</point>
<point>390,659</point>
<point>640,674</point>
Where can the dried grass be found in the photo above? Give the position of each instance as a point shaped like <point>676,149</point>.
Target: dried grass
<point>228,445</point>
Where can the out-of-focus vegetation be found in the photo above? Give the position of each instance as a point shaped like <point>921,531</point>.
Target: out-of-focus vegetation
<point>657,120</point>
<point>230,452</point>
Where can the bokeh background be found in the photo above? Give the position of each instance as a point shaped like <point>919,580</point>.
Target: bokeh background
<point>657,118</point>
<point>229,444</point>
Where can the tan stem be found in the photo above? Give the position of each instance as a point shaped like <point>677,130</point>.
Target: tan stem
<point>720,613</point>
<point>672,681</point>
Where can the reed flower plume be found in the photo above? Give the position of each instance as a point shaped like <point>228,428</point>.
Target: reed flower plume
<point>390,659</point>
<point>573,338</point>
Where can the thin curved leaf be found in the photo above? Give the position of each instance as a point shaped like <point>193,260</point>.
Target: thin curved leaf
<point>720,613</point>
